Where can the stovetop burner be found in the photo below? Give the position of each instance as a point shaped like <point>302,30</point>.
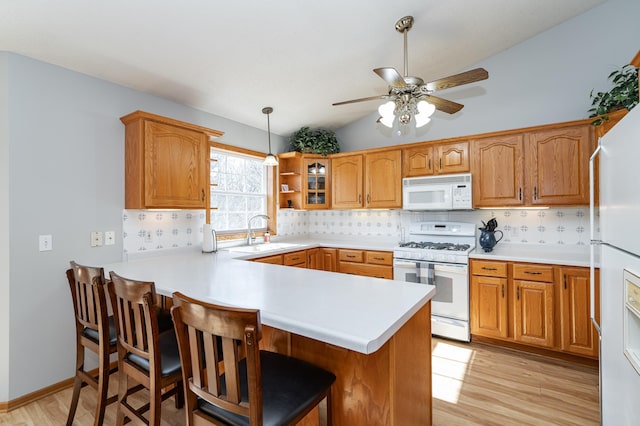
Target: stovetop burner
<point>436,246</point>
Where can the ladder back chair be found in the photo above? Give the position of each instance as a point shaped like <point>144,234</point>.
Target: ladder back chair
<point>145,354</point>
<point>95,330</point>
<point>242,385</point>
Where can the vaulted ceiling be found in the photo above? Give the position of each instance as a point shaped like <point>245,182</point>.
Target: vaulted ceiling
<point>232,58</point>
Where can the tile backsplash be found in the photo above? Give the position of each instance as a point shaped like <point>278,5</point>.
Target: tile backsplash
<point>145,230</point>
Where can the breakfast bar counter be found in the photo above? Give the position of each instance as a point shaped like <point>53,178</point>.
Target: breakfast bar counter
<point>373,334</point>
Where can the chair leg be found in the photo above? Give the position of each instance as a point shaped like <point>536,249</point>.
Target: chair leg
<point>103,387</point>
<point>155,397</point>
<point>179,396</point>
<point>77,384</point>
<point>122,395</point>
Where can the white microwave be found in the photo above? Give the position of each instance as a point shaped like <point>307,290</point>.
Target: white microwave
<point>447,192</point>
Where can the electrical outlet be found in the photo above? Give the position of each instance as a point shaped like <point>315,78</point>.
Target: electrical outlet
<point>147,237</point>
<point>109,238</point>
<point>46,243</point>
<point>97,239</point>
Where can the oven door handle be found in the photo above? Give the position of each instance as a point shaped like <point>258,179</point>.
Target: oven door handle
<point>404,264</point>
<point>456,269</point>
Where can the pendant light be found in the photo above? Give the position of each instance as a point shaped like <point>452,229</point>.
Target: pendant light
<point>270,159</point>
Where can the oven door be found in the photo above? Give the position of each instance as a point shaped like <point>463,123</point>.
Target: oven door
<point>451,281</point>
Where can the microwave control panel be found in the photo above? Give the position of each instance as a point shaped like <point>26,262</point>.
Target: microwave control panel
<point>461,196</point>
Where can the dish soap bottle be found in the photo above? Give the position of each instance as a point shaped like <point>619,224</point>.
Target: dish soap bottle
<point>267,237</point>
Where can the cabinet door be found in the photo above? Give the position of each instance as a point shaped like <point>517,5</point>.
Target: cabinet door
<point>498,171</point>
<point>317,184</point>
<point>383,181</point>
<point>452,157</point>
<point>417,161</point>
<point>578,333</point>
<point>489,307</point>
<point>558,166</point>
<point>313,258</point>
<point>346,182</point>
<point>533,309</point>
<point>328,259</point>
<point>175,162</point>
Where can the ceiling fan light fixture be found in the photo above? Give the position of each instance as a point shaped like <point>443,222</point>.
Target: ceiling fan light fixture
<point>424,113</point>
<point>386,113</point>
<point>270,159</point>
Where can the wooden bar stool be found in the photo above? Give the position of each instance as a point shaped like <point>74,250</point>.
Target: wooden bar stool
<point>95,330</point>
<point>145,354</point>
<point>250,386</point>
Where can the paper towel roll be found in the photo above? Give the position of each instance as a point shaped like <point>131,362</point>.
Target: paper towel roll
<point>207,239</point>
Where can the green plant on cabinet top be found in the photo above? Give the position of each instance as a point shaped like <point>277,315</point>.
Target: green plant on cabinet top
<point>315,141</point>
<point>623,94</point>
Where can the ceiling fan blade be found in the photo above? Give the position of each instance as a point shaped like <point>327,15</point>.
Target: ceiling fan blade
<point>444,105</point>
<point>391,76</point>
<point>353,101</point>
<point>458,79</point>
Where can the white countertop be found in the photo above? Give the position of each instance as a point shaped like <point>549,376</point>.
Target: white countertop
<point>537,253</point>
<point>353,312</point>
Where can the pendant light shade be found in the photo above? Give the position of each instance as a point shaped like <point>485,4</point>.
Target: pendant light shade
<point>270,159</point>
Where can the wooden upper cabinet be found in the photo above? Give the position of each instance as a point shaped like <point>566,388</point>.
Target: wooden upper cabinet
<point>558,166</point>
<point>383,179</point>
<point>316,181</point>
<point>166,162</point>
<point>372,180</point>
<point>442,158</point>
<point>346,182</point>
<point>498,171</point>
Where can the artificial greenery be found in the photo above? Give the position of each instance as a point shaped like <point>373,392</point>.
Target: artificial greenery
<point>623,94</point>
<point>316,141</point>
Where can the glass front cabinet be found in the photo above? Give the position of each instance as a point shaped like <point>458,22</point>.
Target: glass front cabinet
<point>316,179</point>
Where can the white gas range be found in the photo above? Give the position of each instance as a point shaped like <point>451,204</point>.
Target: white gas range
<point>437,253</point>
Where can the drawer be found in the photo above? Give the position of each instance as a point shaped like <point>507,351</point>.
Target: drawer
<point>379,257</point>
<point>542,273</point>
<point>367,270</point>
<point>296,258</point>
<point>489,269</point>
<point>275,259</point>
<point>351,255</point>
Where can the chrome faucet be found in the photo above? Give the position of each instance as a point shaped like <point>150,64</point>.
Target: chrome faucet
<point>250,237</point>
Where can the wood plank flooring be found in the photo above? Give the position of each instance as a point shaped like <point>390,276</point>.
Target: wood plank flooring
<point>473,384</point>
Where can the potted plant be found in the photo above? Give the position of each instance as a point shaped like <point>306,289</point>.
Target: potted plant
<point>623,94</point>
<point>316,141</point>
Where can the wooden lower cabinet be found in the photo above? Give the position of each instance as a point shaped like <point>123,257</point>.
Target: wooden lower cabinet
<point>378,264</point>
<point>296,258</point>
<point>276,259</point>
<point>489,313</point>
<point>533,305</point>
<point>328,259</point>
<point>578,334</point>
<point>313,258</point>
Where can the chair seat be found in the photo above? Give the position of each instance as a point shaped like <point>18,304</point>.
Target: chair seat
<point>93,334</point>
<point>289,385</point>
<point>169,355</point>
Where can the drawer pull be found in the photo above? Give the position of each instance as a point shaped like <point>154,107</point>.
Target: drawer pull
<point>484,268</point>
<point>295,258</point>
<point>351,256</point>
<point>378,258</point>
<point>533,273</point>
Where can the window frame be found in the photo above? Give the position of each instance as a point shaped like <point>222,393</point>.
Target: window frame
<point>270,189</point>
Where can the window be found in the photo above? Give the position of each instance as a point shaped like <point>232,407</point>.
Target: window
<point>238,190</point>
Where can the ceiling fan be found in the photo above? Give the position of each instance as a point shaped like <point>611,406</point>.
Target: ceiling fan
<point>410,96</point>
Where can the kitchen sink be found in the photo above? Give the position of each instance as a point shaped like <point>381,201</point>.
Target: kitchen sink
<point>260,248</point>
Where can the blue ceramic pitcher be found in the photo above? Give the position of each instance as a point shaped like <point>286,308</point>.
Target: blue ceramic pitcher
<point>488,240</point>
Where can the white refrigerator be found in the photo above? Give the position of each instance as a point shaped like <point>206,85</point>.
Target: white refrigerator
<point>619,262</point>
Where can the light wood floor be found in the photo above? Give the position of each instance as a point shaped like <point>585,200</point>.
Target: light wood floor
<point>472,385</point>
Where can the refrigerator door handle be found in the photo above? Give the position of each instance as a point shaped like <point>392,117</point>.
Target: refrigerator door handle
<point>593,242</point>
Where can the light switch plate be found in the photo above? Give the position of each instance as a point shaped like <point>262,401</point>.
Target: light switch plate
<point>109,238</point>
<point>46,243</point>
<point>97,239</point>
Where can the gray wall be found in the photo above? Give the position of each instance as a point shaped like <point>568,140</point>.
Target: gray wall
<point>4,230</point>
<point>546,79</point>
<point>66,178</point>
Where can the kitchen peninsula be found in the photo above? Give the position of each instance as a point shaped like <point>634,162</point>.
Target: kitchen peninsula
<point>373,334</point>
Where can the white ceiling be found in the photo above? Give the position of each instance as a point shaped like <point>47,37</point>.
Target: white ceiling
<point>231,58</point>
